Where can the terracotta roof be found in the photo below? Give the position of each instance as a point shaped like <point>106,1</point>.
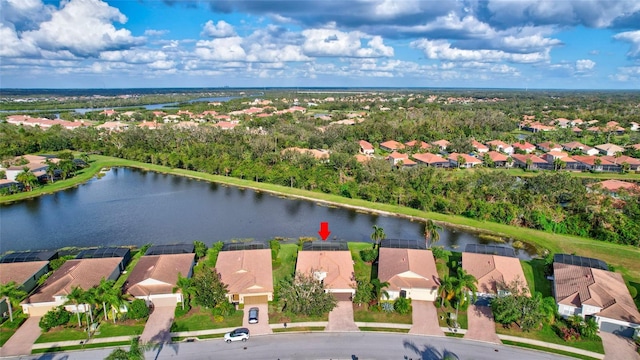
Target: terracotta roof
<point>478,145</point>
<point>246,271</point>
<point>429,158</point>
<point>365,145</point>
<point>492,270</point>
<point>85,273</point>
<point>20,272</point>
<point>441,143</point>
<point>467,158</point>
<point>615,185</point>
<point>496,156</point>
<point>591,160</point>
<point>622,159</point>
<point>422,144</point>
<point>525,146</point>
<point>158,274</point>
<point>578,285</point>
<point>392,144</point>
<point>610,147</point>
<point>499,144</point>
<point>407,269</point>
<point>523,158</point>
<point>337,265</point>
<point>573,145</point>
<point>361,158</point>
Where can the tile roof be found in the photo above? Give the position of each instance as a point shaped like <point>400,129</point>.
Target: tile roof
<point>365,145</point>
<point>20,272</point>
<point>158,274</point>
<point>615,185</point>
<point>246,271</point>
<point>492,270</point>
<point>392,144</point>
<point>578,285</point>
<point>429,158</point>
<point>85,273</point>
<point>407,269</point>
<point>337,265</point>
<point>496,156</point>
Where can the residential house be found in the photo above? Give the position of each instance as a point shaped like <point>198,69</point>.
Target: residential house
<point>586,291</point>
<point>501,146</point>
<point>366,147</point>
<point>333,268</point>
<point>573,145</point>
<point>494,273</point>
<point>479,147</point>
<point>431,160</point>
<point>441,144</point>
<point>594,163</point>
<point>634,126</point>
<point>577,122</point>
<point>609,149</point>
<point>24,274</point>
<point>113,126</point>
<point>576,130</point>
<point>391,145</point>
<point>420,145</point>
<point>363,158</point>
<point>634,164</point>
<point>524,146</point>
<point>562,122</point>
<point>588,150</point>
<point>498,159</point>
<point>463,160</point>
<point>83,273</point>
<point>247,274</point>
<point>6,183</point>
<point>225,125</point>
<point>411,273</point>
<point>530,161</point>
<point>156,276</point>
<point>396,158</point>
<point>635,146</point>
<point>549,146</point>
<point>613,186</point>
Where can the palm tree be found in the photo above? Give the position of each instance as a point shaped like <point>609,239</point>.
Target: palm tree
<point>27,178</point>
<point>377,235</point>
<point>447,287</point>
<point>378,289</point>
<point>465,285</point>
<point>74,297</point>
<point>102,293</point>
<point>115,298</point>
<point>51,169</point>
<point>431,234</point>
<point>13,293</point>
<point>88,299</point>
<point>184,285</point>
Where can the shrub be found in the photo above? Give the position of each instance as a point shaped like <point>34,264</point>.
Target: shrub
<point>402,305</point>
<point>200,249</point>
<point>633,291</point>
<point>55,317</point>
<point>440,253</point>
<point>138,309</point>
<point>275,248</point>
<point>368,255</point>
<point>224,308</point>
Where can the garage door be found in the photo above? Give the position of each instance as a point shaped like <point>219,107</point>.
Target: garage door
<point>259,299</point>
<point>625,331</point>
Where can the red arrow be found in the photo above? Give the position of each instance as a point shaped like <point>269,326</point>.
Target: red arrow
<point>324,230</point>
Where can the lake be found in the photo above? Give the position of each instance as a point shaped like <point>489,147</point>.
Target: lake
<point>133,207</point>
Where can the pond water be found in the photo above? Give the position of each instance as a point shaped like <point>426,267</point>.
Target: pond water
<point>133,207</point>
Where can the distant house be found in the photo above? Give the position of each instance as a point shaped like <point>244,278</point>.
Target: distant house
<point>609,149</point>
<point>634,164</point>
<point>441,144</point>
<point>156,276</point>
<point>530,161</point>
<point>501,146</point>
<point>585,291</point>
<point>431,160</point>
<point>479,147</point>
<point>613,186</point>
<point>396,158</point>
<point>85,273</point>
<point>499,160</point>
<point>524,146</point>
<point>333,268</point>
<point>573,145</point>
<point>411,273</point>
<point>634,126</point>
<point>549,146</point>
<point>463,160</point>
<point>391,145</point>
<point>24,274</point>
<point>421,145</point>
<point>247,274</point>
<point>493,272</point>
<point>113,126</point>
<point>366,147</point>
<point>594,163</point>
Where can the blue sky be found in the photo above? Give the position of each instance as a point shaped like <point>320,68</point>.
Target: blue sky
<point>559,44</point>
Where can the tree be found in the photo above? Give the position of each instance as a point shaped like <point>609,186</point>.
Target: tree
<point>208,289</point>
<point>14,294</point>
<point>138,309</point>
<point>402,305</point>
<point>465,286</point>
<point>186,289</point>
<point>67,167</point>
<point>431,233</point>
<point>446,289</point>
<point>27,179</point>
<point>75,297</point>
<point>51,169</point>
<point>377,235</point>
<point>378,289</point>
<point>461,161</point>
<point>103,294</point>
<point>305,295</point>
<point>200,249</point>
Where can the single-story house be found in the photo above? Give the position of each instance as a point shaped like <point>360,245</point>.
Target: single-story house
<point>366,147</point>
<point>573,145</point>
<point>421,145</point>
<point>499,159</point>
<point>431,160</point>
<point>524,146</point>
<point>501,146</point>
<point>83,273</point>
<point>585,291</point>
<point>24,274</point>
<point>396,158</point>
<point>391,145</point>
<point>411,273</point>
<point>155,276</point>
<point>595,163</point>
<point>468,161</point>
<point>609,149</point>
<point>549,146</point>
<point>247,274</point>
<point>634,164</point>
<point>521,160</point>
<point>493,272</point>
<point>613,186</point>
<point>479,147</point>
<point>333,268</point>
<point>441,144</point>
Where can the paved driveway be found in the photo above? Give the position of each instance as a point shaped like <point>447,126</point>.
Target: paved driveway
<point>22,340</point>
<point>158,327</point>
<point>262,327</point>
<point>481,324</point>
<point>341,317</point>
<point>618,347</point>
<point>425,319</point>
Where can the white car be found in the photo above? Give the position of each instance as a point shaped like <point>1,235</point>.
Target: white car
<point>237,335</point>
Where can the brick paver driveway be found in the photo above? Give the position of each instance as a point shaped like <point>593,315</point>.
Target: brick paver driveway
<point>341,318</point>
<point>22,340</point>
<point>425,319</point>
<point>158,327</point>
<point>262,327</point>
<point>618,347</point>
<point>481,324</point>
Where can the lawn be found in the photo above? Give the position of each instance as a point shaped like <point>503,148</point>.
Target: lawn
<point>444,317</point>
<point>548,335</point>
<point>366,314</point>
<point>135,257</point>
<point>8,328</point>
<point>534,274</point>
<point>366,328</point>
<point>108,329</point>
<point>201,319</point>
<point>362,269</point>
<point>300,329</point>
<point>286,264</point>
<point>549,350</point>
<point>276,316</point>
<point>62,334</point>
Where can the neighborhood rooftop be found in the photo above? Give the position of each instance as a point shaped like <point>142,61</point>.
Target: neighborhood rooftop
<point>29,256</point>
<point>170,249</point>
<point>244,246</point>
<point>403,244</point>
<point>490,249</point>
<point>104,252</point>
<point>325,246</point>
<point>580,261</point>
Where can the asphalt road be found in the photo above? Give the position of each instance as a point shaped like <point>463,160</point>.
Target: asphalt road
<point>316,346</point>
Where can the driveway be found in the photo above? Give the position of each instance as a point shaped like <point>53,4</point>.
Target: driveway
<point>262,327</point>
<point>481,324</point>
<point>341,317</point>
<point>618,347</point>
<point>425,319</point>
<point>158,327</point>
<point>22,340</point>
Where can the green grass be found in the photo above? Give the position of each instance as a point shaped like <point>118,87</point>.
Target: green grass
<point>548,350</point>
<point>366,314</point>
<point>276,316</point>
<point>64,334</point>
<point>8,328</point>
<point>199,337</point>
<point>79,347</point>
<point>286,264</point>
<point>534,274</point>
<point>367,328</point>
<point>111,330</point>
<point>202,319</point>
<point>443,317</point>
<point>362,269</point>
<point>135,257</point>
<point>547,334</point>
<point>299,329</point>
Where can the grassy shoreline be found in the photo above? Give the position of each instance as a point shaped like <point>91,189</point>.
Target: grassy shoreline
<point>623,257</point>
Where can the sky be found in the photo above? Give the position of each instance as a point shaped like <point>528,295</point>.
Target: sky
<point>523,44</point>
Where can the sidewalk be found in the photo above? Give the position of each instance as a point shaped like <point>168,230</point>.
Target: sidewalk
<point>185,334</point>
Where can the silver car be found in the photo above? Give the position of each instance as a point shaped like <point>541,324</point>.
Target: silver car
<point>253,315</point>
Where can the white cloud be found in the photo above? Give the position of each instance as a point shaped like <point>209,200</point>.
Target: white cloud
<point>330,42</point>
<point>632,37</point>
<point>137,56</point>
<point>627,74</point>
<point>220,30</point>
<point>152,32</point>
<point>84,27</point>
<point>223,49</point>
<point>585,65</point>
<point>442,50</point>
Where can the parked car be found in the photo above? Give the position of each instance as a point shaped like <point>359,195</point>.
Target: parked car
<point>253,315</point>
<point>236,335</point>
